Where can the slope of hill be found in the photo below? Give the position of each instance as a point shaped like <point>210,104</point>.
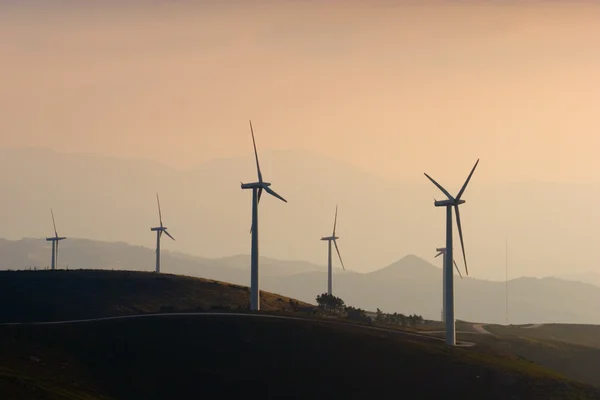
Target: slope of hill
<point>225,356</point>
<point>587,277</point>
<point>66,295</point>
<point>408,285</point>
<point>557,349</point>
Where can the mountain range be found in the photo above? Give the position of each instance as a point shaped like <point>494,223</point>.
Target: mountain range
<point>410,285</point>
<point>112,199</point>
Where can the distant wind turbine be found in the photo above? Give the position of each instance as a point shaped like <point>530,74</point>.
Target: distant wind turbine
<point>55,239</point>
<point>450,203</point>
<point>330,239</point>
<point>159,231</point>
<point>442,252</point>
<point>257,189</point>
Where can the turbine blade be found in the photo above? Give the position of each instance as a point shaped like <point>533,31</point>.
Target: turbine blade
<point>56,256</point>
<point>159,212</point>
<point>169,235</point>
<point>54,223</point>
<point>457,270</point>
<point>335,220</point>
<point>272,193</point>
<point>438,254</point>
<point>339,255</point>
<point>255,153</point>
<point>462,190</point>
<point>462,243</point>
<point>259,194</point>
<point>440,187</point>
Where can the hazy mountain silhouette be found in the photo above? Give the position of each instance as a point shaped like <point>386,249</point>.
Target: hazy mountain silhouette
<point>585,277</point>
<point>104,198</point>
<point>410,285</point>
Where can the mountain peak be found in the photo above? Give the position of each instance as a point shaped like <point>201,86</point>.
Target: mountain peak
<point>409,266</point>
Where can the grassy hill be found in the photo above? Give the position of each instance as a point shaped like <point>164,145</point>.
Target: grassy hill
<point>410,281</point>
<point>575,361</point>
<point>579,334</point>
<point>225,356</point>
<point>175,356</point>
<point>570,349</point>
<point>78,294</point>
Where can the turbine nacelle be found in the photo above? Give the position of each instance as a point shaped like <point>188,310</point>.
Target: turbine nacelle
<point>448,202</point>
<point>330,238</point>
<point>255,185</point>
<point>54,239</point>
<point>159,228</point>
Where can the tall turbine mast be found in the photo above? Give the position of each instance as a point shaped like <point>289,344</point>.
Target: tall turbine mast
<point>442,252</point>
<point>333,239</point>
<point>450,203</point>
<point>54,239</point>
<point>159,231</point>
<point>506,280</point>
<point>257,190</point>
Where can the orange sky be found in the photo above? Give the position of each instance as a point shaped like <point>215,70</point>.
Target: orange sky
<point>393,89</point>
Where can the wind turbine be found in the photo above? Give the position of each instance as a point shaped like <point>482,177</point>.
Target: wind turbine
<point>159,231</point>
<point>442,252</point>
<point>330,239</point>
<point>257,189</point>
<point>449,203</point>
<point>55,239</point>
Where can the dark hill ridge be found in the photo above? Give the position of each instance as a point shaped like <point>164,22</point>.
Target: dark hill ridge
<point>80,294</point>
<point>410,285</point>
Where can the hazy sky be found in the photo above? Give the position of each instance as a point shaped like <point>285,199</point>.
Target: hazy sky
<point>389,86</point>
<point>395,88</point>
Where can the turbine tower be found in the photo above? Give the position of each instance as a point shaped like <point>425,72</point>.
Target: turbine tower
<point>55,239</point>
<point>330,239</point>
<point>159,231</point>
<point>442,252</point>
<point>257,189</point>
<point>449,203</point>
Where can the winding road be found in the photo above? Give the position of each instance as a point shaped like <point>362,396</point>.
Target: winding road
<point>418,336</point>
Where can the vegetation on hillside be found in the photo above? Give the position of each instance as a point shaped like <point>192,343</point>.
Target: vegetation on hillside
<point>330,305</point>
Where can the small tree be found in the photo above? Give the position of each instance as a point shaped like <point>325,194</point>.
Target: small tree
<point>379,316</point>
<point>357,314</point>
<point>330,305</point>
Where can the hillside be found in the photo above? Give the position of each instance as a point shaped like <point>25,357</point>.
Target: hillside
<point>120,359</point>
<point>410,284</point>
<point>556,352</point>
<point>589,277</point>
<point>178,356</point>
<point>79,294</point>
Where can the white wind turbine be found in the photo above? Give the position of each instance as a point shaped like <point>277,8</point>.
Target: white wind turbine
<point>442,252</point>
<point>450,203</point>
<point>55,239</point>
<point>330,239</point>
<point>257,189</point>
<point>159,231</point>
